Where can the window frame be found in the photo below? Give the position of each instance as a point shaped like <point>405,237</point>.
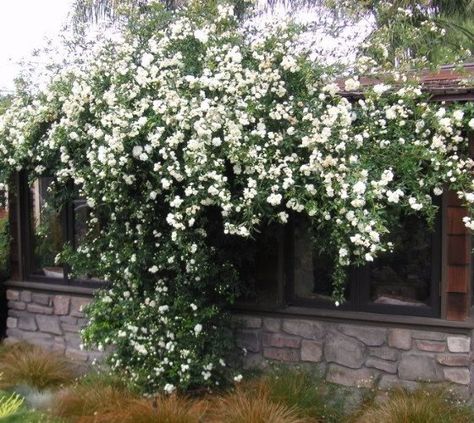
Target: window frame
<point>359,282</point>
<point>27,240</point>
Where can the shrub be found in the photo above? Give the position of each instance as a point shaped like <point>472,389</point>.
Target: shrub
<point>420,406</point>
<point>23,364</point>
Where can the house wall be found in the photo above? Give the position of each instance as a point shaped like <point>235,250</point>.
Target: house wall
<point>362,354</point>
<point>52,321</point>
<point>354,354</point>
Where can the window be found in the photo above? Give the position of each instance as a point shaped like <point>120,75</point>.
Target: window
<point>45,230</point>
<point>405,281</point>
<point>288,271</point>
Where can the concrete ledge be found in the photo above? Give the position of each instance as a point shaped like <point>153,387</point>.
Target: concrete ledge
<point>51,287</point>
<point>359,316</point>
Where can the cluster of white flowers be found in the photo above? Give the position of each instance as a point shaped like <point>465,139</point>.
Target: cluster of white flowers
<point>197,115</point>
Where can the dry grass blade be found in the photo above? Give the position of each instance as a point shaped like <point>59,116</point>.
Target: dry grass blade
<point>170,409</point>
<point>23,364</point>
<point>253,406</point>
<point>102,403</point>
<point>420,406</point>
<point>83,402</point>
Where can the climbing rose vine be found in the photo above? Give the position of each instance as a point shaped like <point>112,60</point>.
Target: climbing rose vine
<point>189,117</point>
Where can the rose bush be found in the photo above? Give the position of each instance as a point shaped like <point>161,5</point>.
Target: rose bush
<point>190,113</point>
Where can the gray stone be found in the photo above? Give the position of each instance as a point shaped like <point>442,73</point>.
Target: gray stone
<point>344,350</point>
<point>311,351</point>
<point>399,338</point>
<point>11,340</point>
<point>362,378</point>
<point>16,333</point>
<point>429,335</point>
<point>49,324</point>
<point>61,305</point>
<point>16,305</point>
<point>305,328</point>
<point>77,306</point>
<point>70,328</point>
<point>25,296</point>
<point>76,355</point>
<point>42,340</point>
<point>388,382</point>
<point>419,367</point>
<point>459,375</point>
<point>281,354</point>
<point>12,322</point>
<point>280,340</point>
<point>369,335</point>
<point>27,322</point>
<point>271,325</point>
<point>15,313</point>
<point>432,346</point>
<point>385,353</point>
<point>38,336</point>
<point>58,347</point>
<point>248,339</point>
<point>378,363</point>
<point>69,320</point>
<point>456,360</point>
<point>39,309</point>
<point>13,295</point>
<point>41,299</point>
<point>254,361</point>
<point>73,340</point>
<point>459,344</point>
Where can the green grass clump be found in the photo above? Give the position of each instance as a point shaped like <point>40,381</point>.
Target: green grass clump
<point>420,406</point>
<point>9,404</point>
<point>307,392</point>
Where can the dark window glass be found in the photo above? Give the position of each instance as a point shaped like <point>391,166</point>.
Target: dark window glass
<point>404,277</point>
<point>48,231</point>
<point>259,268</point>
<point>312,269</point>
<point>80,217</point>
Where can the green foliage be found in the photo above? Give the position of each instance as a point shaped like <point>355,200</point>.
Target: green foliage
<point>191,129</point>
<point>307,392</point>
<point>4,248</point>
<point>9,404</point>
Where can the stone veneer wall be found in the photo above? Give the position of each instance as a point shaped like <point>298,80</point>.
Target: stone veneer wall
<point>361,354</point>
<point>349,354</point>
<point>52,321</point>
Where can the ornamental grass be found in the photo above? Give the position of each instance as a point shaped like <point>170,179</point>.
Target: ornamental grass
<point>253,404</point>
<point>23,364</point>
<point>420,406</point>
<point>83,402</point>
<point>99,403</point>
<point>305,391</point>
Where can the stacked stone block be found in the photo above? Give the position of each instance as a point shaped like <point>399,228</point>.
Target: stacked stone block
<point>48,320</point>
<point>360,355</point>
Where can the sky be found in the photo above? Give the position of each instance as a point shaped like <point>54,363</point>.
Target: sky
<point>24,24</point>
